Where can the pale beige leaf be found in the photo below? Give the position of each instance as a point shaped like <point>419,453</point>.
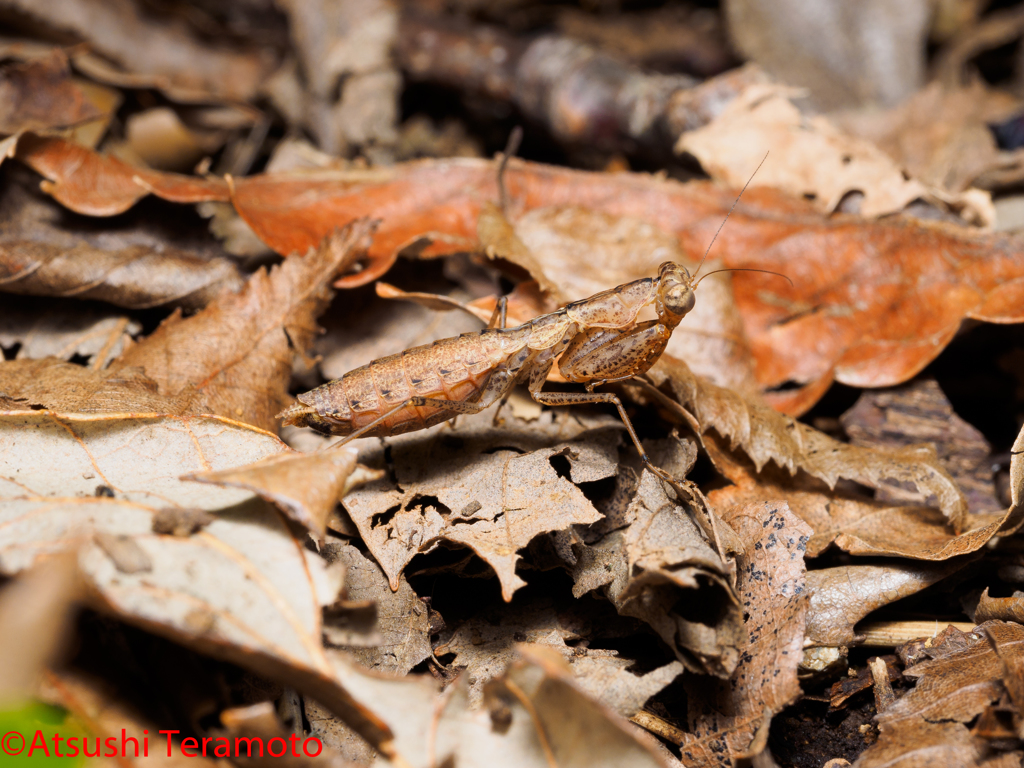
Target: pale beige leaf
<point>806,155</point>
<point>49,502</point>
<point>490,489</point>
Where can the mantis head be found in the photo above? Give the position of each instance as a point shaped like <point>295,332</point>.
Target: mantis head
<point>675,292</point>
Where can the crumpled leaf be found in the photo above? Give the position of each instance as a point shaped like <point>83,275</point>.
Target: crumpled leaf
<point>86,331</point>
<point>305,486</point>
<point>236,355</point>
<point>731,720</point>
<point>919,412</point>
<point>403,621</point>
<point>942,135</point>
<point>40,94</point>
<point>843,595</point>
<point>961,679</point>
<point>1002,608</point>
<point>162,48</point>
<point>45,252</point>
<point>805,156</point>
<point>488,489</point>
<point>855,523</point>
<point>487,643</point>
<point>764,434</point>
<point>660,569</point>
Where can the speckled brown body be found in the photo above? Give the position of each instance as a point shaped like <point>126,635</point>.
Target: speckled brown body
<point>455,369</point>
<point>598,340</point>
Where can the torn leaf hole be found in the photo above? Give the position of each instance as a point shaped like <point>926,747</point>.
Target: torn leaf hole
<point>384,518</point>
<point>560,463</point>
<point>422,503</point>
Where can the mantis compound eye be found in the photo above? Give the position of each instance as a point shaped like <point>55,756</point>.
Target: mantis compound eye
<point>679,299</point>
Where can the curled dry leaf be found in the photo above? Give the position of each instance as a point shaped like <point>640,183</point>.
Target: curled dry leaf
<point>305,486</point>
<point>236,355</point>
<point>163,49</point>
<point>860,525</point>
<point>842,596</point>
<point>492,490</point>
<point>661,570</point>
<point>40,94</point>
<point>1003,608</point>
<point>99,185</point>
<point>731,720</point>
<point>145,263</point>
<point>851,520</point>
<point>764,434</point>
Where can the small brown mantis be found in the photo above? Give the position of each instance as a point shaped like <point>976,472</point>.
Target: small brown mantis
<point>595,341</point>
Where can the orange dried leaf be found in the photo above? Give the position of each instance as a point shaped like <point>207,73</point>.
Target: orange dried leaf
<point>98,185</point>
<point>872,303</point>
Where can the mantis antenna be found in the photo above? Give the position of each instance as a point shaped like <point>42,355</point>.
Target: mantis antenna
<point>735,203</point>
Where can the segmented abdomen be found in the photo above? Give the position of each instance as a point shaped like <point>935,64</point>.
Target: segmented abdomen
<point>455,369</point>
